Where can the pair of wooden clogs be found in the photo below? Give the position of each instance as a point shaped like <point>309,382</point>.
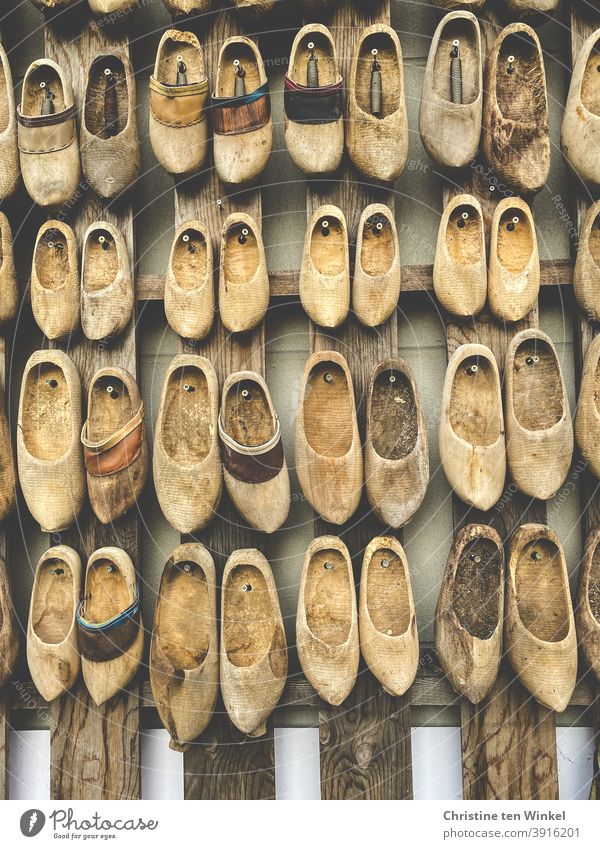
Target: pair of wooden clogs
<point>185,662</point>
<point>102,296</point>
<point>330,635</point>
<point>194,439</point>
<point>539,430</point>
<point>99,629</point>
<point>329,456</point>
<point>461,278</point>
<point>325,271</point>
<point>243,278</point>
<point>537,615</point>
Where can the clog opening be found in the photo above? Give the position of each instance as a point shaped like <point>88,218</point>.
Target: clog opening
<point>53,607</point>
<point>186,422</point>
<point>327,410</point>
<point>46,416</point>
<point>394,420</point>
<point>247,414</point>
<point>328,597</point>
<point>475,404</point>
<point>183,619</point>
<point>476,595</point>
<point>537,385</point>
<point>541,592</point>
<point>388,595</point>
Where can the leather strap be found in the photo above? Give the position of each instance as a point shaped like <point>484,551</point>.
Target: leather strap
<point>46,133</point>
<point>178,105</point>
<point>118,451</point>
<point>252,464</point>
<point>306,105</point>
<point>236,115</point>
<point>108,640</point>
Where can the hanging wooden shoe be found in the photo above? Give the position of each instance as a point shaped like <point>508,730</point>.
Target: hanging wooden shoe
<point>314,112</point>
<point>178,104</point>
<point>516,141</point>
<point>580,135</point>
<point>377,134</point>
<point>7,464</point>
<point>471,435</point>
<point>253,9</point>
<point>459,267</point>
<point>109,7</point>
<point>396,445</point>
<point>389,641</point>
<point>326,623</point>
<point>329,461</point>
<point>539,431</point>
<point>9,628</point>
<point>586,274</point>
<point>189,287</point>
<point>110,147</point>
<point>55,296</point>
<point>114,443</point>
<point>9,293</point>
<point>539,631</point>
<point>243,276</point>
<point>514,267</point>
<point>186,457</point>
<point>535,11</point>
<point>325,271</point>
<point>52,644</point>
<point>183,8</point>
<point>452,96</point>
<point>109,624</point>
<point>184,652</point>
<point>107,296</point>
<point>241,113</point>
<point>587,610</point>
<point>49,457</point>
<point>587,417</point>
<point>9,151</point>
<point>377,273</point>
<point>47,134</point>
<point>254,661</point>
<point>52,7</point>
<point>470,612</point>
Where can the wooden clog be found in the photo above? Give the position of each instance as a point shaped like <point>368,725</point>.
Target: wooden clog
<point>539,431</point>
<point>452,97</point>
<point>470,612</point>
<point>114,442</point>
<point>51,7</point>
<point>184,652</point>
<point>111,7</point>
<point>49,458</point>
<point>389,641</point>
<point>396,445</point>
<point>178,103</point>
<point>539,631</point>
<point>183,8</point>
<point>107,296</point>
<point>241,113</point>
<point>109,624</point>
<point>9,293</point>
<point>587,418</point>
<point>327,623</point>
<point>52,645</point>
<point>254,467</point>
<point>514,269</point>
<point>377,273</point>
<point>451,5</point>
<point>325,271</point>
<point>586,274</point>
<point>9,628</point>
<point>254,660</point>
<point>516,141</point>
<point>471,435</point>
<point>329,461</point>
<point>587,611</point>
<point>536,11</point>
<point>9,151</point>
<point>186,457</point>
<point>47,135</point>
<point>253,9</point>
<point>459,268</point>
<point>243,276</point>
<point>55,296</point>
<point>314,114</point>
<point>110,147</point>
<point>377,135</point>
<point>7,464</point>
<point>189,287</point>
<point>580,135</point>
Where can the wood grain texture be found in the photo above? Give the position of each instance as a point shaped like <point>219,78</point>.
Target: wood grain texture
<point>4,729</point>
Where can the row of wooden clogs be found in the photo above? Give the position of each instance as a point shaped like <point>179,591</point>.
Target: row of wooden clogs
<point>178,8</point>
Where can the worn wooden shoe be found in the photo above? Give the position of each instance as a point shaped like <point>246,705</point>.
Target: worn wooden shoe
<point>241,113</point>
<point>329,459</point>
<point>327,623</point>
<point>586,274</point>
<point>389,641</point>
<point>110,7</point>
<point>516,141</point>
<point>49,457</point>
<point>114,443</point>
<point>459,268</point>
<point>314,112</point>
<point>471,435</point>
<point>55,296</point>
<point>580,135</point>
<point>9,628</point>
<point>243,276</point>
<point>52,645</point>
<point>109,624</point>
<point>254,661</point>
<point>539,431</point>
<point>186,457</point>
<point>377,134</point>
<point>470,612</point>
<point>514,267</point>
<point>189,286</point>
<point>181,8</point>
<point>9,293</point>
<point>9,150</point>
<point>107,296</point>
<point>587,611</point>
<point>377,273</point>
<point>184,652</point>
<point>539,631</point>
<point>535,11</point>
<point>7,464</point>
<point>47,135</point>
<point>452,97</point>
<point>396,445</point>
<point>178,103</point>
<point>587,418</point>
<point>325,271</point>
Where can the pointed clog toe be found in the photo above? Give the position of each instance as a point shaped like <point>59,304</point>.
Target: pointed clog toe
<point>377,273</point>
<point>9,293</point>
<point>243,277</point>
<point>586,274</point>
<point>55,297</point>
<point>514,269</point>
<point>325,273</point>
<point>189,287</point>
<point>183,8</point>
<point>7,464</point>
<point>587,612</point>
<point>107,296</point>
<point>9,627</point>
<point>459,269</point>
<point>9,150</point>
<point>587,418</point>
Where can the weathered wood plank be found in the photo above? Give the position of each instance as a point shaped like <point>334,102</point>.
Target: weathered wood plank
<point>4,730</point>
